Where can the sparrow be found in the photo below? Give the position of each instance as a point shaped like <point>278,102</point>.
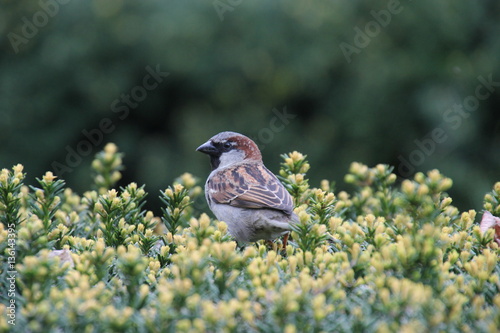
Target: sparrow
<point>243,193</point>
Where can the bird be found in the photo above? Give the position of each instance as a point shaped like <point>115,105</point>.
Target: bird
<point>243,193</point>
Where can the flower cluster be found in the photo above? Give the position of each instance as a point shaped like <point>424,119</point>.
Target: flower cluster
<point>385,257</point>
<point>10,192</point>
<point>106,168</point>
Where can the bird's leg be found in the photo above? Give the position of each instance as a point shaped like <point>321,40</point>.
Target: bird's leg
<point>285,240</point>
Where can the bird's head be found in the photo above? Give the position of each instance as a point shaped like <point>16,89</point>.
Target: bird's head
<point>227,148</point>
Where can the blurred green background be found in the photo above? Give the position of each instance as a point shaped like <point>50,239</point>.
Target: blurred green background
<point>359,81</point>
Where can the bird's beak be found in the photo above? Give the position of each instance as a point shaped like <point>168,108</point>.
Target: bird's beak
<point>207,148</point>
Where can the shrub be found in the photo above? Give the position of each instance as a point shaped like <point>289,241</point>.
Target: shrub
<point>386,257</point>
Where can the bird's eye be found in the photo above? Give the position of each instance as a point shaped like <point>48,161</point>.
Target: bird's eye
<point>227,145</point>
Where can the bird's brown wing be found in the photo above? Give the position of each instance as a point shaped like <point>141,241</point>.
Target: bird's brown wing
<point>250,185</point>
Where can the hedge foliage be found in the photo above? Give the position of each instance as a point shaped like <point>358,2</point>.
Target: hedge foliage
<point>387,257</point>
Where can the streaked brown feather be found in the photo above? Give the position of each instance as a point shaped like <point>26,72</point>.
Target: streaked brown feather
<point>250,185</point>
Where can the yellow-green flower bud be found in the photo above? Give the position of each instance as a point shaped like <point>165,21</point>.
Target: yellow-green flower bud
<point>110,148</point>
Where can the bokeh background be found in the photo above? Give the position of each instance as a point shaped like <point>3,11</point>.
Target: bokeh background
<point>235,65</point>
